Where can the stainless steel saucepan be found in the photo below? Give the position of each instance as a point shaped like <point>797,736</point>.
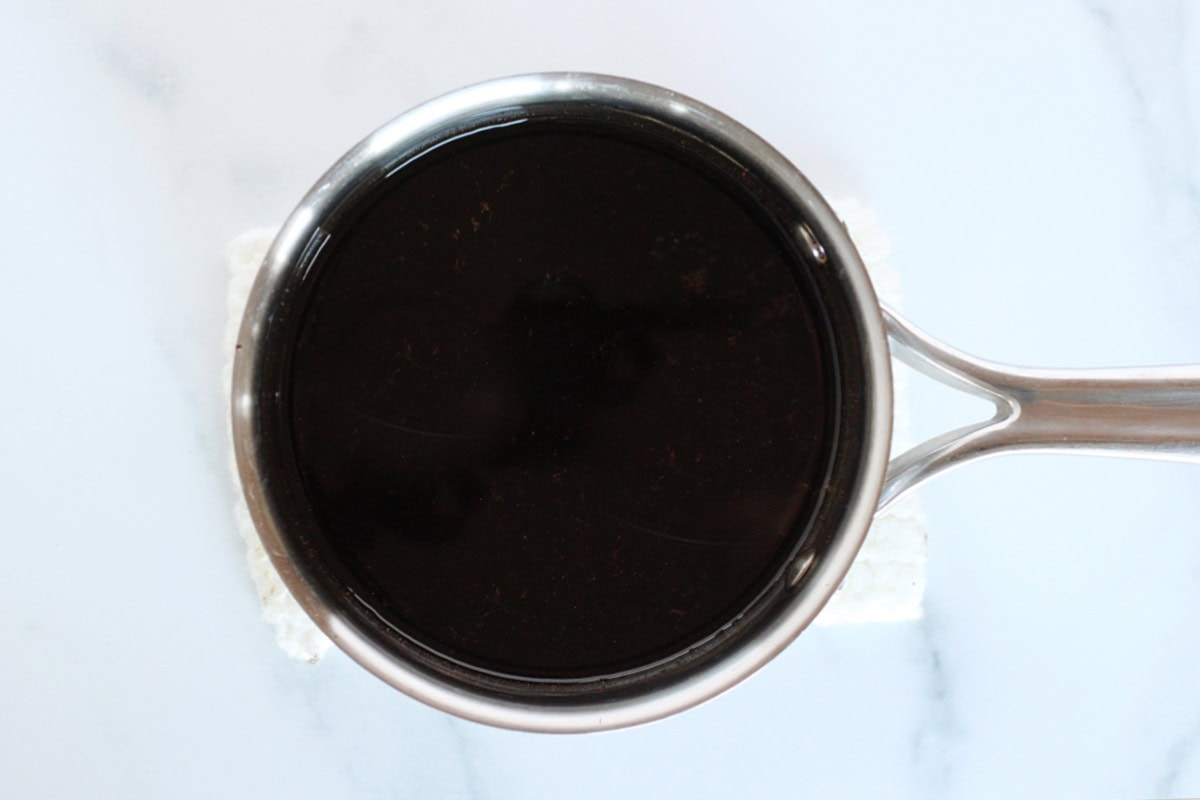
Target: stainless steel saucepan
<point>1152,412</point>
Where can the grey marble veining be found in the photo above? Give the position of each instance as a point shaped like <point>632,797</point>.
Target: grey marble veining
<point>938,732</point>
<point>1153,47</point>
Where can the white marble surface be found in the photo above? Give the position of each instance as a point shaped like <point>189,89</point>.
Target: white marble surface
<point>1036,166</point>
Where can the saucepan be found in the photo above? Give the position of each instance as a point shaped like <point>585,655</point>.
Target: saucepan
<point>466,572</point>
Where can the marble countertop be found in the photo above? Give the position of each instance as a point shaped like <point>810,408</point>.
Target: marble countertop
<point>1036,167</point>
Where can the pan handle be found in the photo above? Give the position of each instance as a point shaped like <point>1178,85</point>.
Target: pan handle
<point>1151,412</point>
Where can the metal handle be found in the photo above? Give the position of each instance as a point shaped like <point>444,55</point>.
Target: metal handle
<point>1149,412</point>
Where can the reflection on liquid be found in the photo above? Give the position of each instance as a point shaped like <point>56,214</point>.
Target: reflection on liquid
<point>564,360</point>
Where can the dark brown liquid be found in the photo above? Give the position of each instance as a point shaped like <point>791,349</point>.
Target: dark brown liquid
<point>559,401</point>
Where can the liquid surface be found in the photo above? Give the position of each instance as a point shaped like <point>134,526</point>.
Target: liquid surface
<point>558,403</point>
